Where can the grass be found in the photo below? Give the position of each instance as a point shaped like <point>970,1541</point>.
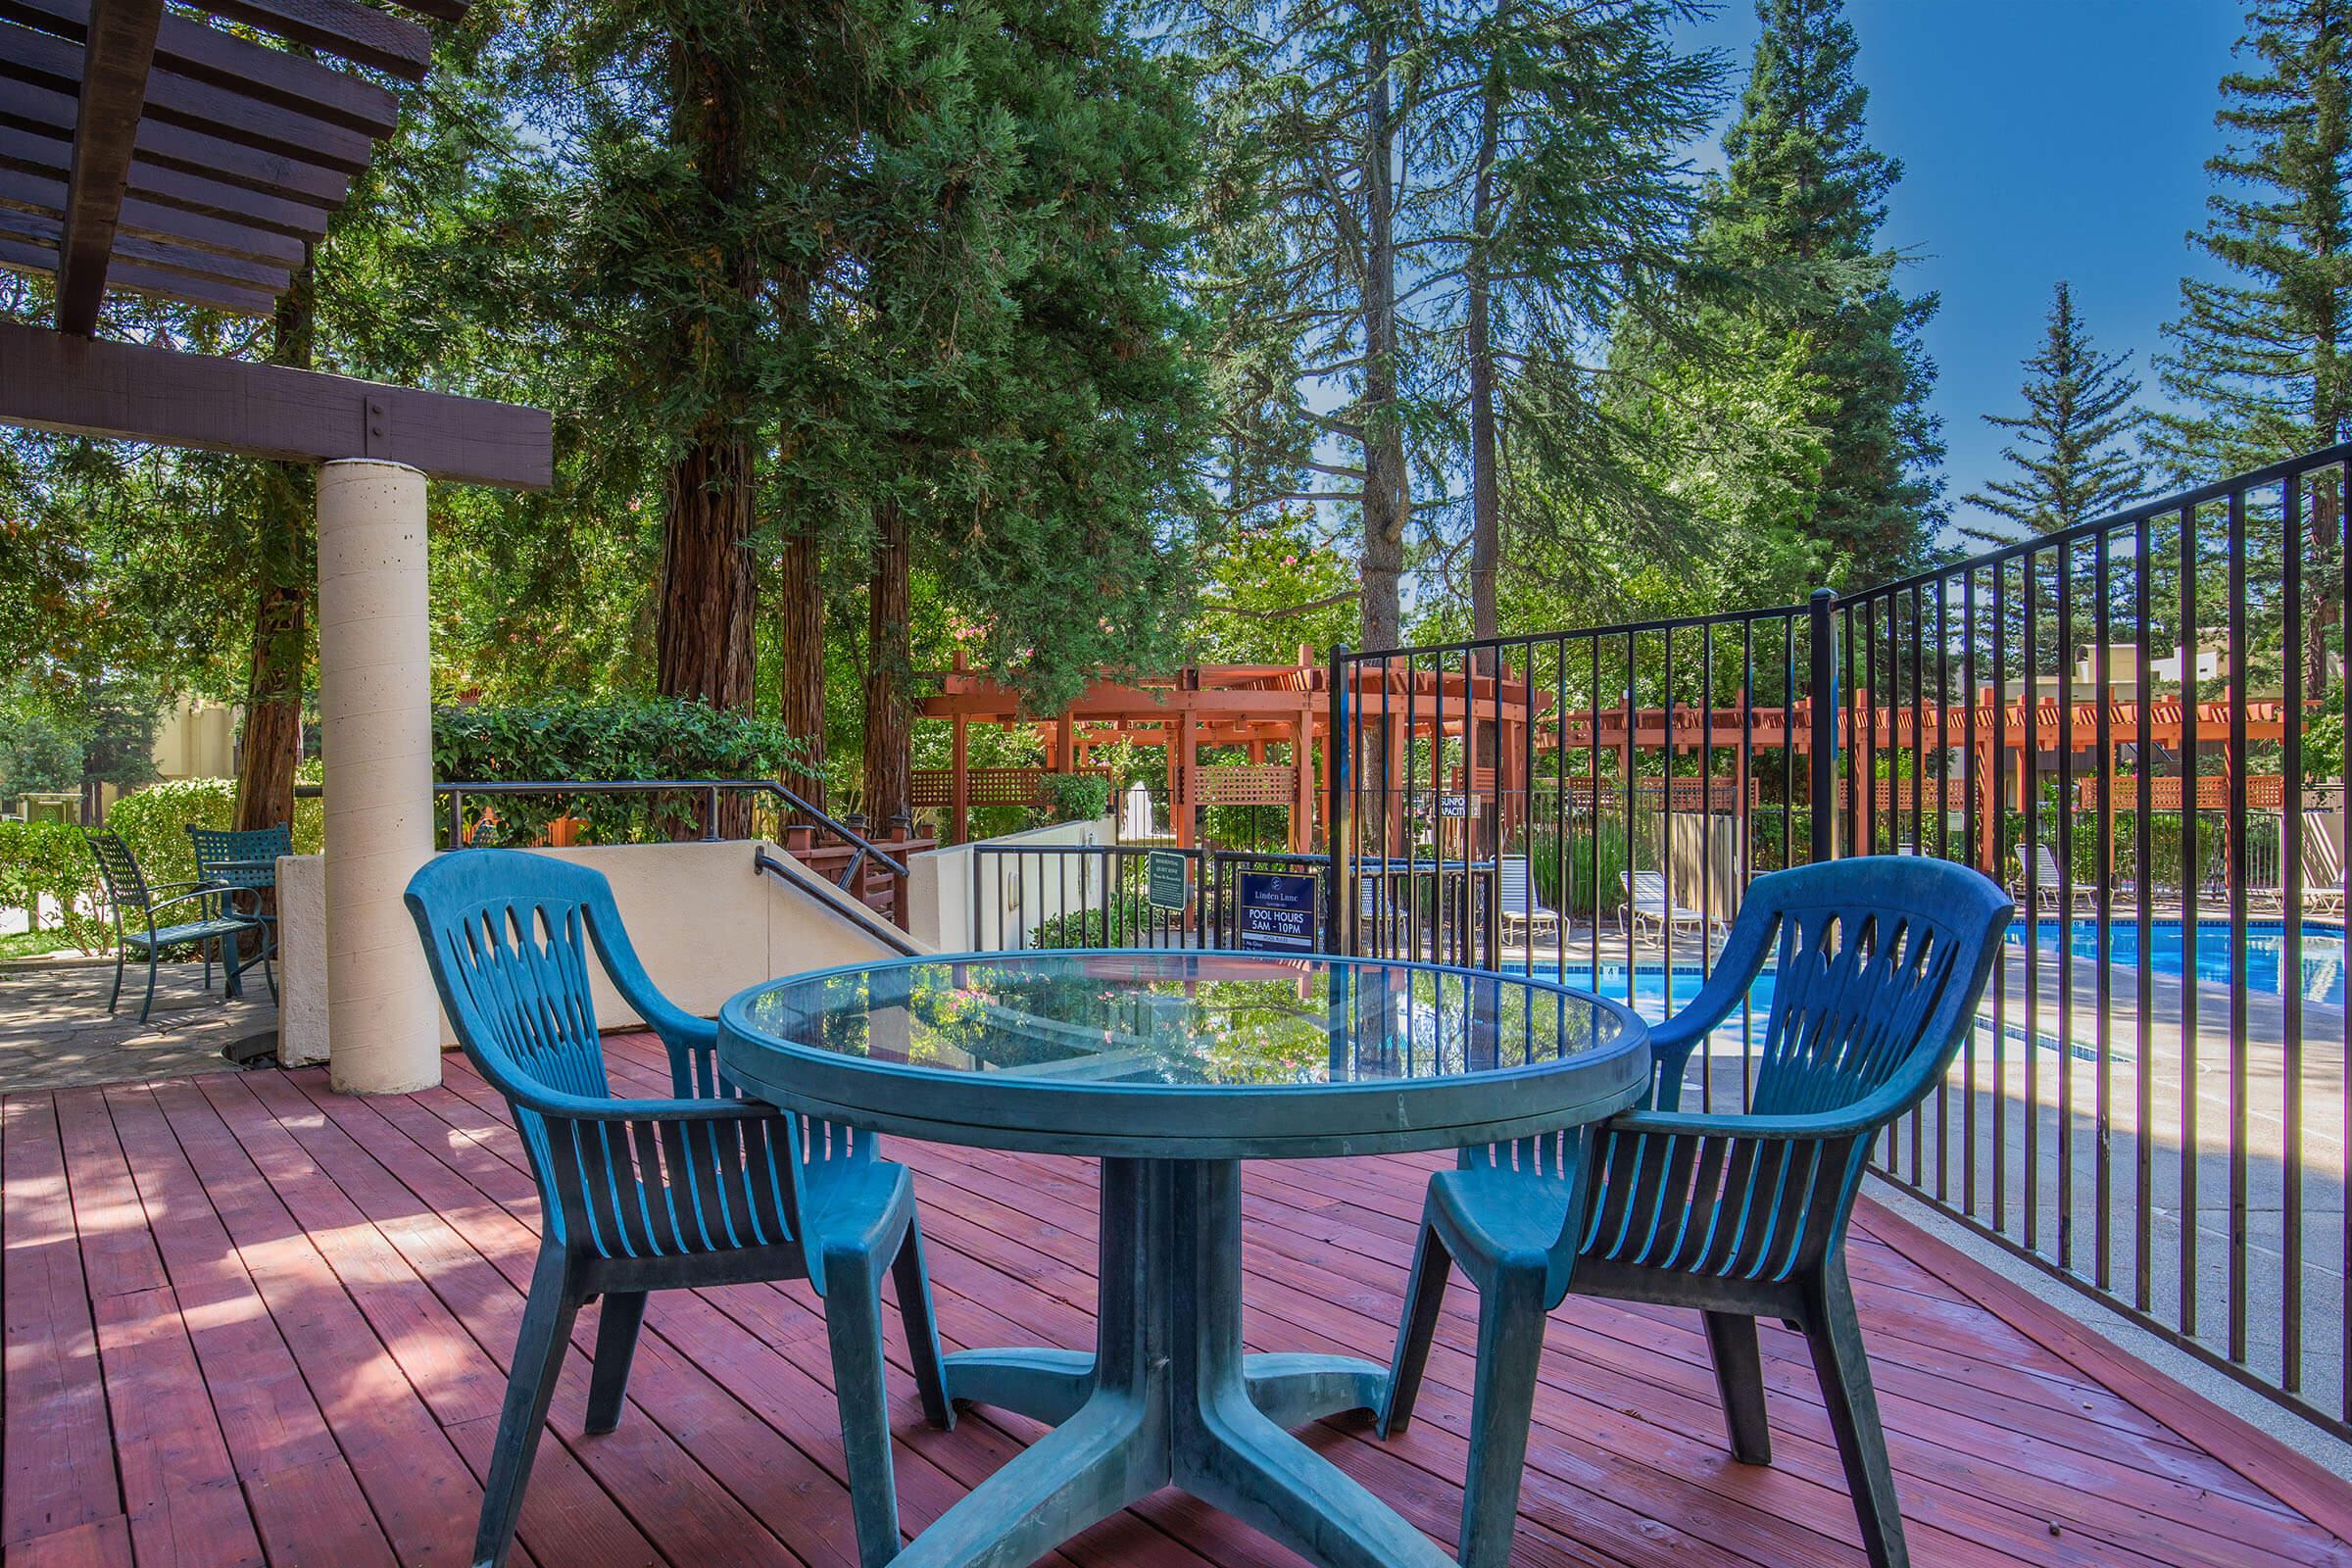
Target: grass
<point>31,944</point>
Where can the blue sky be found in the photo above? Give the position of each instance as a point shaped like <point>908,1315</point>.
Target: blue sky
<point>2040,139</point>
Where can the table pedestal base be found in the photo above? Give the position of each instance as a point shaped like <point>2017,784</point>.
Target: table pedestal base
<point>1168,1398</point>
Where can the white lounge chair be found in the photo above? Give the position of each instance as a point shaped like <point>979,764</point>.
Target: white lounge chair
<point>2049,886</point>
<point>2323,865</point>
<point>1520,905</point>
<point>1646,898</point>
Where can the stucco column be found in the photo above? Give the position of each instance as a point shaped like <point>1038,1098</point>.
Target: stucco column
<point>375,702</point>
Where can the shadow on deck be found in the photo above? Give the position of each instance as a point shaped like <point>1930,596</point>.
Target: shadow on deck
<point>249,1321</point>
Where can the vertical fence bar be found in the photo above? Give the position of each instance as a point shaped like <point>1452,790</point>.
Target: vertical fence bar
<point>1973,787</point>
<point>2065,652</point>
<point>1999,796</point>
<point>2188,920</point>
<point>2143,879</point>
<point>1821,705</point>
<point>2235,836</point>
<point>1340,833</point>
<point>2291,878</point>
<point>2029,784</point>
<point>2103,1142</point>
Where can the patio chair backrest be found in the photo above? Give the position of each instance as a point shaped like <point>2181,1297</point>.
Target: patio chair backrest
<point>1517,889</point>
<point>2323,862</point>
<point>118,869</point>
<point>215,846</point>
<point>509,938</point>
<point>1647,888</point>
<point>1881,960</point>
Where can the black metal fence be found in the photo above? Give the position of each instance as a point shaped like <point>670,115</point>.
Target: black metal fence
<point>1027,894</point>
<point>2136,725</point>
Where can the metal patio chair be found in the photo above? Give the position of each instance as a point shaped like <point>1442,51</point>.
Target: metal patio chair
<point>646,1195</point>
<point>246,860</point>
<point>214,922</point>
<point>1880,963</point>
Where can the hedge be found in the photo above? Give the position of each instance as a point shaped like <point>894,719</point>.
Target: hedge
<point>626,738</point>
<point>50,859</point>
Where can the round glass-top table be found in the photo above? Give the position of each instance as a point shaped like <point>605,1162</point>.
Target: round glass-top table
<point>1171,1067</point>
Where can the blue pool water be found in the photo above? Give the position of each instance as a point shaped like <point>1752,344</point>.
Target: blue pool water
<point>2322,958</point>
<point>2322,976</point>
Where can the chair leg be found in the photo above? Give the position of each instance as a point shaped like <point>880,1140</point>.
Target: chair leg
<point>853,1326</point>
<point>115,995</point>
<point>547,1319</point>
<point>147,1006</point>
<point>913,1279</point>
<point>616,1324</point>
<point>1739,1379</point>
<point>1424,1296</point>
<point>1844,1368</point>
<point>1510,1343</point>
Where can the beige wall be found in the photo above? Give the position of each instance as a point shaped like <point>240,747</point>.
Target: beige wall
<point>1015,895</point>
<point>705,922</point>
<point>196,739</point>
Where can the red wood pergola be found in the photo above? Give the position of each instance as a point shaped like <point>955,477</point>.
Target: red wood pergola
<point>1253,706</point>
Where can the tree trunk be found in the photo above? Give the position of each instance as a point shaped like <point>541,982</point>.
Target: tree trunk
<point>801,655</point>
<point>1387,502</point>
<point>1486,494</point>
<point>704,648</point>
<point>282,615</point>
<point>889,735</point>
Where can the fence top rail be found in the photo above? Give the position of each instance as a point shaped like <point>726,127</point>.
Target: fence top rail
<point>1477,645</point>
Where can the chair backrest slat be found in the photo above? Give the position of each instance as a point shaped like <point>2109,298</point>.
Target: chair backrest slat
<point>118,868</point>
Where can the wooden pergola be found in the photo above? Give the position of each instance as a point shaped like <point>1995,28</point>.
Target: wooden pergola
<point>1253,706</point>
<point>158,153</point>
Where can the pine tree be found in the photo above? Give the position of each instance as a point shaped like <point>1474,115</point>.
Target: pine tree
<point>2082,414</point>
<point>2264,359</point>
<point>1803,198</point>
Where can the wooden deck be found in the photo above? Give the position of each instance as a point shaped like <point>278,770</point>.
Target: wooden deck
<point>249,1321</point>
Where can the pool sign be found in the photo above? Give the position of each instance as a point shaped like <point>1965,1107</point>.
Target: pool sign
<point>1275,912</point>
<point>1164,877</point>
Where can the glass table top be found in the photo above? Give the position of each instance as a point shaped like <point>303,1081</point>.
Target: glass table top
<point>1183,1019</point>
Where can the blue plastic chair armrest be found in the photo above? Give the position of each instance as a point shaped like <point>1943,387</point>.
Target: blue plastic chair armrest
<point>1860,1119</point>
<point>586,1107</point>
<point>1735,969</point>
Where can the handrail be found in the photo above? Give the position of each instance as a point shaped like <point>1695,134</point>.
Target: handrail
<point>892,935</point>
<point>711,788</point>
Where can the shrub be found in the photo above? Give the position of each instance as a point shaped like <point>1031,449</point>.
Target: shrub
<point>622,738</point>
<point>50,859</point>
<point>155,822</point>
<point>1077,796</point>
<point>1096,928</point>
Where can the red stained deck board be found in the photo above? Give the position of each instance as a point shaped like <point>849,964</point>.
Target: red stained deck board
<point>261,1230</point>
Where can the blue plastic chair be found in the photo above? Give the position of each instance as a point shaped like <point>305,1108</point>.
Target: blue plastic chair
<point>1882,961</point>
<point>646,1195</point>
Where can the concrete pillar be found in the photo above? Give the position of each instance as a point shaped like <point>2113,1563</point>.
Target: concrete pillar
<point>375,701</point>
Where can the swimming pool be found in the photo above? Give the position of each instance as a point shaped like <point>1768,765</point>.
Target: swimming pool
<point>2321,977</point>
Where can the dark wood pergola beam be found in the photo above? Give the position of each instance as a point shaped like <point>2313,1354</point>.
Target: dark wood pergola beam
<point>38,109</point>
<point>115,62</point>
<point>47,61</point>
<point>359,33</point>
<point>50,156</point>
<point>46,194</point>
<point>128,275</point>
<point>83,386</point>
<point>279,77</point>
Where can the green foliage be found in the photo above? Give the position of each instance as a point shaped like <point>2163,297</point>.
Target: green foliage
<point>155,821</point>
<point>1272,587</point>
<point>38,753</point>
<point>1117,926</point>
<point>2324,745</point>
<point>588,740</point>
<point>1796,218</point>
<point>51,860</point>
<point>2079,414</point>
<point>1077,796</point>
<point>2261,360</point>
<point>1544,852</point>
